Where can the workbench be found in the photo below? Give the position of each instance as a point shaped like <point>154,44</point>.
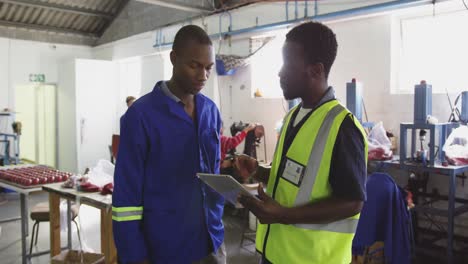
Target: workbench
<point>102,202</point>
<point>452,211</point>
<point>24,215</point>
<point>24,192</point>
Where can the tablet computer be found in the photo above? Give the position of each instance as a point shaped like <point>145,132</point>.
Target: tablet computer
<point>227,186</point>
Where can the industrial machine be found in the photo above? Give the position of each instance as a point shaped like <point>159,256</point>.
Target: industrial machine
<point>421,153</point>
<point>354,98</point>
<point>459,114</point>
<point>422,102</point>
<point>464,112</point>
<point>10,140</point>
<point>438,132</point>
<point>354,101</point>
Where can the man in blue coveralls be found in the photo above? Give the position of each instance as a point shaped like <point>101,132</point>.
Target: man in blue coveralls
<point>162,213</point>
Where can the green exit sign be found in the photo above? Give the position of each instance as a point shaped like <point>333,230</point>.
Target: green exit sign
<point>37,78</point>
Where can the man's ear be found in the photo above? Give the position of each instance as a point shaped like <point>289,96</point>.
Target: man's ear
<point>173,57</point>
<point>316,70</point>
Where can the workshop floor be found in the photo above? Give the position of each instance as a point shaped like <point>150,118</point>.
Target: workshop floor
<point>10,240</point>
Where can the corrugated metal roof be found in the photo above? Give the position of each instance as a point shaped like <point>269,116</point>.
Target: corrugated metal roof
<point>82,17</point>
<point>87,20</point>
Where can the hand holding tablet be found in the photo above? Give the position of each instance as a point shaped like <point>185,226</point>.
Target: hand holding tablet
<point>227,186</point>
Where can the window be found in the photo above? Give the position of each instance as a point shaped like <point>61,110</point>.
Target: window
<point>434,49</point>
<point>265,65</point>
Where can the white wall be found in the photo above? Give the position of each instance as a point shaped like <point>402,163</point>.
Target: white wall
<point>248,109</point>
<point>19,58</point>
<point>153,69</point>
<point>5,73</point>
<point>245,17</point>
<point>138,45</point>
<point>237,104</point>
<point>365,53</point>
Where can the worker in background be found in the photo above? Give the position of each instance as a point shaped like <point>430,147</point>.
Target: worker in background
<point>162,212</point>
<point>229,143</point>
<point>130,100</point>
<point>316,184</point>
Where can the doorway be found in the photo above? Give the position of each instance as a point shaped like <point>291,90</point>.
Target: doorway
<point>36,107</point>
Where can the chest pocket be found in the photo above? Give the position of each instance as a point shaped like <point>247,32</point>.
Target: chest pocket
<point>209,149</point>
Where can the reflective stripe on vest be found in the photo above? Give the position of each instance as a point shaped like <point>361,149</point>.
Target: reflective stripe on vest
<point>122,214</point>
<point>348,225</point>
<point>315,158</point>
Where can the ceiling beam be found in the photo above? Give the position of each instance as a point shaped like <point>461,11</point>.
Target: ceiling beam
<point>120,8</point>
<point>177,6</point>
<point>61,8</point>
<point>6,23</point>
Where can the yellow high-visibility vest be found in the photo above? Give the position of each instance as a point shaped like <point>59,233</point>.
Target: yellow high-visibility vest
<point>312,150</point>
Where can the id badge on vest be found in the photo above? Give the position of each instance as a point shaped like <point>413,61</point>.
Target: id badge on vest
<point>293,172</point>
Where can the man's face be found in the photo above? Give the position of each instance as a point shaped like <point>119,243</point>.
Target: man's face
<point>192,66</point>
<point>293,75</point>
<point>130,102</point>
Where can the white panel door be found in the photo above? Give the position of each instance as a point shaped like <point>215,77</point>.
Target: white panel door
<point>25,102</point>
<point>67,129</point>
<point>97,93</point>
<point>46,124</point>
<point>36,106</point>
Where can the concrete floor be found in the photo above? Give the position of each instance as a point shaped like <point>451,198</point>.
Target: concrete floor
<point>10,240</point>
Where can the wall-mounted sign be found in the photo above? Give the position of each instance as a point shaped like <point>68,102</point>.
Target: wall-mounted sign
<point>37,78</point>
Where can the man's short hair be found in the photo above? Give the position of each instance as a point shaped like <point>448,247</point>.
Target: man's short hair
<point>129,98</point>
<point>318,41</point>
<point>187,33</point>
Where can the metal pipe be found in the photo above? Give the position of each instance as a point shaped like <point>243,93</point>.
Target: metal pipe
<point>156,42</point>
<point>24,226</point>
<point>306,7</point>
<point>287,10</point>
<point>8,135</point>
<point>69,219</point>
<point>451,216</point>
<point>178,6</point>
<point>10,220</point>
<point>159,37</point>
<point>296,14</point>
<point>316,8</point>
<point>220,23</point>
<point>366,10</point>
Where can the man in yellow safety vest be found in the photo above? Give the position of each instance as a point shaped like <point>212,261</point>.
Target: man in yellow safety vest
<point>316,184</point>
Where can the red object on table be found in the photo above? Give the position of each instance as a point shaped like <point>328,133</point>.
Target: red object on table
<point>89,187</point>
<point>107,189</point>
<point>34,175</point>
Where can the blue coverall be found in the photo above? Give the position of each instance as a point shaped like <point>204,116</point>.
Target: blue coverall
<point>161,211</point>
